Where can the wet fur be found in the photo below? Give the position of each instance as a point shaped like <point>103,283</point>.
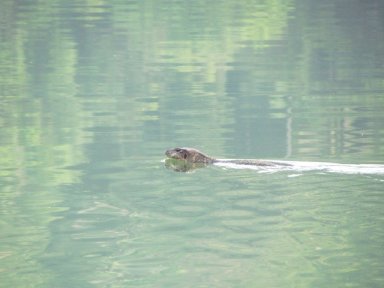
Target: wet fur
<point>195,156</point>
<point>189,154</point>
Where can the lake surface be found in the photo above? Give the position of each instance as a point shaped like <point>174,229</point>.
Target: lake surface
<point>93,92</point>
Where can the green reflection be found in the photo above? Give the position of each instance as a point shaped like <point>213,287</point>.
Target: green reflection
<point>93,92</point>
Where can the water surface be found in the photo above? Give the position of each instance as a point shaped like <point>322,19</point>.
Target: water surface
<point>93,92</point>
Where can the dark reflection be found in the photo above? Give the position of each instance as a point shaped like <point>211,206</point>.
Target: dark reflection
<point>182,166</point>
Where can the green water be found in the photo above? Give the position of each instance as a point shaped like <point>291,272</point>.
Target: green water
<point>93,92</point>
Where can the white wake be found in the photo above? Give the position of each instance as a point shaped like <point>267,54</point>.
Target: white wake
<point>302,166</point>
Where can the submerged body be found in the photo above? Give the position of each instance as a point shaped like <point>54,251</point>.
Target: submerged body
<point>192,155</point>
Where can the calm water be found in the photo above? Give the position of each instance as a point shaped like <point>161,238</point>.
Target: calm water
<point>93,92</point>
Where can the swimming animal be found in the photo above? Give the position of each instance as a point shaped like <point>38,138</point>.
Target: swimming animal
<point>186,159</point>
<point>192,155</point>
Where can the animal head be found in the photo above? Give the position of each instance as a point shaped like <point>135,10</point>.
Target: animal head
<point>177,153</point>
<point>188,154</point>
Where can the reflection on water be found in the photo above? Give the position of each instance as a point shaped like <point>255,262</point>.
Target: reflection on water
<point>92,93</point>
<point>182,166</point>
